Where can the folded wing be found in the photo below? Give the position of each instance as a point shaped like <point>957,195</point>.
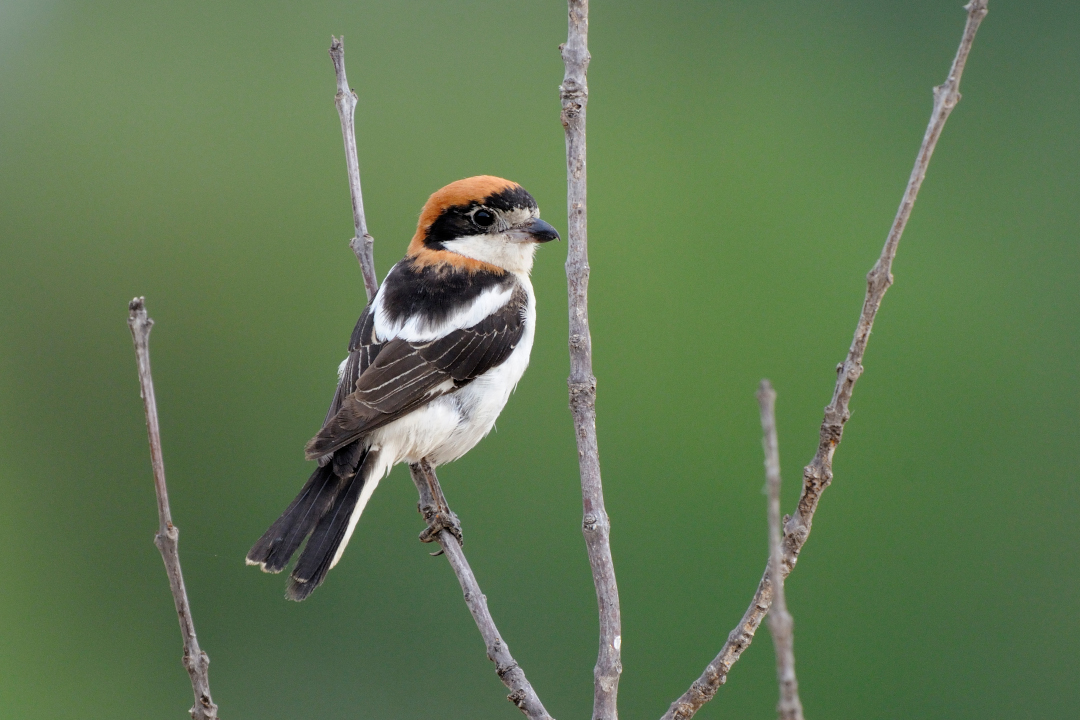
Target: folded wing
<point>398,376</point>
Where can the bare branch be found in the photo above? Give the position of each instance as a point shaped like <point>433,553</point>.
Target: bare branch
<point>595,523</point>
<point>195,660</point>
<point>362,243</point>
<point>434,508</point>
<point>818,474</point>
<point>780,622</point>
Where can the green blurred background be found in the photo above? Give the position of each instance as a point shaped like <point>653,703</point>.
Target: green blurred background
<point>745,162</point>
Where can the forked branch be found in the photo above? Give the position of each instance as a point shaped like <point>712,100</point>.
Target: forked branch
<point>195,660</point>
<point>362,243</point>
<point>595,525</point>
<point>780,622</point>
<point>432,504</point>
<point>818,474</point>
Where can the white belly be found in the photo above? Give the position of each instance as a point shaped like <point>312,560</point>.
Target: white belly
<point>449,426</point>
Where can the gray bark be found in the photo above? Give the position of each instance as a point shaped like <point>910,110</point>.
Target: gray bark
<point>818,474</point>
<point>595,524</point>
<point>362,243</point>
<point>780,622</point>
<point>195,660</point>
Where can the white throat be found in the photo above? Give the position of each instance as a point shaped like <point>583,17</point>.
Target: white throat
<point>500,250</point>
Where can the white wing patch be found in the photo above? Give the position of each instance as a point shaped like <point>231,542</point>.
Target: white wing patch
<point>419,328</point>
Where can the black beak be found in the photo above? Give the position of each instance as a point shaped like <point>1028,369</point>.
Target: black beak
<point>541,232</point>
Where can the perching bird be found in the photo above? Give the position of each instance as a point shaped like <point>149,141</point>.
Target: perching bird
<point>432,361</point>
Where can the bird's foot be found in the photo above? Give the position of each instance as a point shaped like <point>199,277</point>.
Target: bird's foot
<point>439,520</point>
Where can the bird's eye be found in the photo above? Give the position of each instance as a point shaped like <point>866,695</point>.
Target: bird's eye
<point>483,218</point>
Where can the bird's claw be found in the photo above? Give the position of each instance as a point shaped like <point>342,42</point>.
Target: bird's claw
<point>439,520</point>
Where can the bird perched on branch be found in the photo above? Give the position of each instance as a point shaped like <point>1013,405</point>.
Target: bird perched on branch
<point>432,361</point>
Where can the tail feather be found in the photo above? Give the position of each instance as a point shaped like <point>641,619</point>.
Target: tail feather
<point>325,510</point>
<point>319,553</point>
<point>277,545</point>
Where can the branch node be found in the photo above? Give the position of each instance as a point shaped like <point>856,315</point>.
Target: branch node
<point>518,698</point>
<point>582,394</point>
<point>503,671</point>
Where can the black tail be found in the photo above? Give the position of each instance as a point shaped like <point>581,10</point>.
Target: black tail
<point>322,510</point>
<point>277,545</point>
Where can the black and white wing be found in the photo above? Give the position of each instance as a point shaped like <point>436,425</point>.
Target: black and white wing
<point>363,347</point>
<point>397,376</point>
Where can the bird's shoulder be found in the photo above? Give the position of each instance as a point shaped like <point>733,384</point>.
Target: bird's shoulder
<point>423,300</point>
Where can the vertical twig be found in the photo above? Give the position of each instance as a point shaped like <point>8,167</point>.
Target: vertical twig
<point>596,526</point>
<point>511,674</point>
<point>780,622</point>
<point>818,474</point>
<point>195,660</point>
<point>362,243</point>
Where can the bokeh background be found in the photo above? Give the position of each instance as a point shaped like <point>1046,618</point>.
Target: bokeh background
<point>745,161</point>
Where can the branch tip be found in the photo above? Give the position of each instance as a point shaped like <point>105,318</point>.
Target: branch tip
<point>196,661</point>
<point>780,622</point>
<point>345,100</point>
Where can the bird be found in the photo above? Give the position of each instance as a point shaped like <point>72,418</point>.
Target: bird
<point>432,361</point>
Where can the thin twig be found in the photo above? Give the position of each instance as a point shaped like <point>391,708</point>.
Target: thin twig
<point>195,660</point>
<point>511,674</point>
<point>780,622</point>
<point>818,474</point>
<point>362,243</point>
<point>595,525</point>
<point>521,691</point>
